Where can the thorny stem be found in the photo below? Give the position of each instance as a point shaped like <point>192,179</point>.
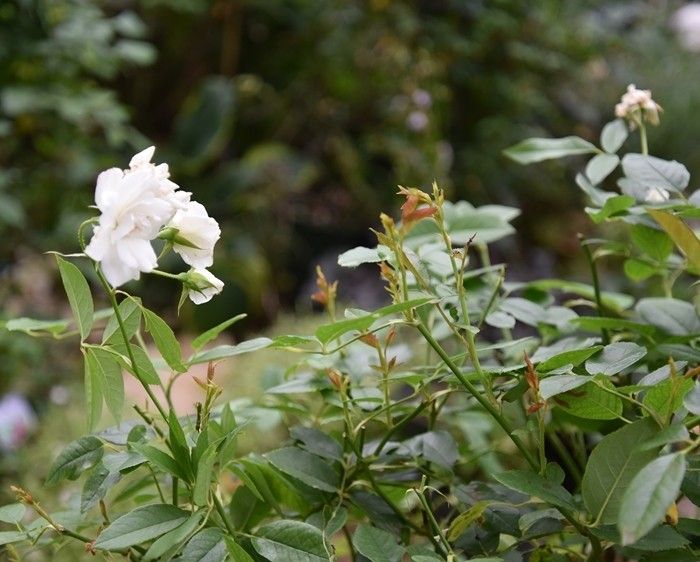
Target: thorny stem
<point>149,421</point>
<point>431,518</point>
<point>122,329</point>
<point>487,405</point>
<point>459,287</point>
<point>498,417</point>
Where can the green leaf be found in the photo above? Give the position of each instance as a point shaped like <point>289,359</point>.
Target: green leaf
<point>615,358</point>
<point>97,485</point>
<point>358,256</point>
<point>654,172</point>
<point>663,539</point>
<point>141,525</point>
<point>77,457</point>
<point>613,301</point>
<point>9,537</point>
<point>558,384</point>
<point>532,484</point>
<point>310,469</point>
<point>174,537</point>
<point>281,342</point>
<point>500,319</point>
<point>161,460</point>
<point>671,434</point>
<point>692,400</point>
<point>591,402</point>
<point>682,235</point>
<point>600,167</point>
<point>329,332</point>
<point>572,357</point>
<point>165,340</point>
<point>12,513</point>
<point>206,546</point>
<point>106,368</point>
<point>205,469</point>
<point>33,327</point>
<point>612,207</point>
<point>538,149</point>
<point>596,324</point>
<point>317,442</point>
<point>376,544</point>
<point>224,351</point>
<point>654,243</point>
<point>94,392</point>
<point>649,495</point>
<point>666,397</point>
<point>144,365</point>
<point>291,541</point>
<point>204,338</point>
<point>612,465</point>
<point>236,552</point>
<point>673,316</point>
<point>79,296</point>
<point>130,311</point>
<point>465,520</point>
<point>638,270</point>
<point>613,135</point>
<point>438,447</point>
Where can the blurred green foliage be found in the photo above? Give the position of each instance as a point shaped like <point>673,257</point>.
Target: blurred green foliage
<point>293,121</point>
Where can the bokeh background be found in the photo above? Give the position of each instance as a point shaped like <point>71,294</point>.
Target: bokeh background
<point>293,121</point>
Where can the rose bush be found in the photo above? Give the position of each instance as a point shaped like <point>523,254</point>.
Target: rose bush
<point>474,417</point>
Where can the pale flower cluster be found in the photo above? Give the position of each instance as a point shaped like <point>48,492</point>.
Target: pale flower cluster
<point>137,206</point>
<point>636,105</point>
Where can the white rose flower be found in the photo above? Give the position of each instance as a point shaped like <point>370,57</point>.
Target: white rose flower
<point>201,285</point>
<point>197,234</point>
<point>135,204</point>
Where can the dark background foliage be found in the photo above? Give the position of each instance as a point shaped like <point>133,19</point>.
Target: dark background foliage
<point>293,121</point>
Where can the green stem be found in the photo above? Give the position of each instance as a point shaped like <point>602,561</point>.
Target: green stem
<point>155,481</point>
<point>222,513</point>
<point>540,444</point>
<point>385,382</point>
<point>404,421</point>
<point>431,518</point>
<point>596,287</point>
<point>175,491</point>
<point>125,337</point>
<point>468,335</point>
<point>643,138</point>
<point>566,457</point>
<point>486,404</point>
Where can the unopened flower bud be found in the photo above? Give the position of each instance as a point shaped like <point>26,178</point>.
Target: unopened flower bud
<point>336,377</point>
<point>201,285</point>
<point>636,106</point>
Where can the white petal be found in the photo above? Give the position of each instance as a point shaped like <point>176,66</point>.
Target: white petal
<point>108,188</point>
<point>99,244</point>
<point>116,271</point>
<point>142,158</point>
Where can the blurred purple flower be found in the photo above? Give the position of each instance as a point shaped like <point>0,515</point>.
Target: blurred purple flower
<point>17,421</point>
<point>417,121</point>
